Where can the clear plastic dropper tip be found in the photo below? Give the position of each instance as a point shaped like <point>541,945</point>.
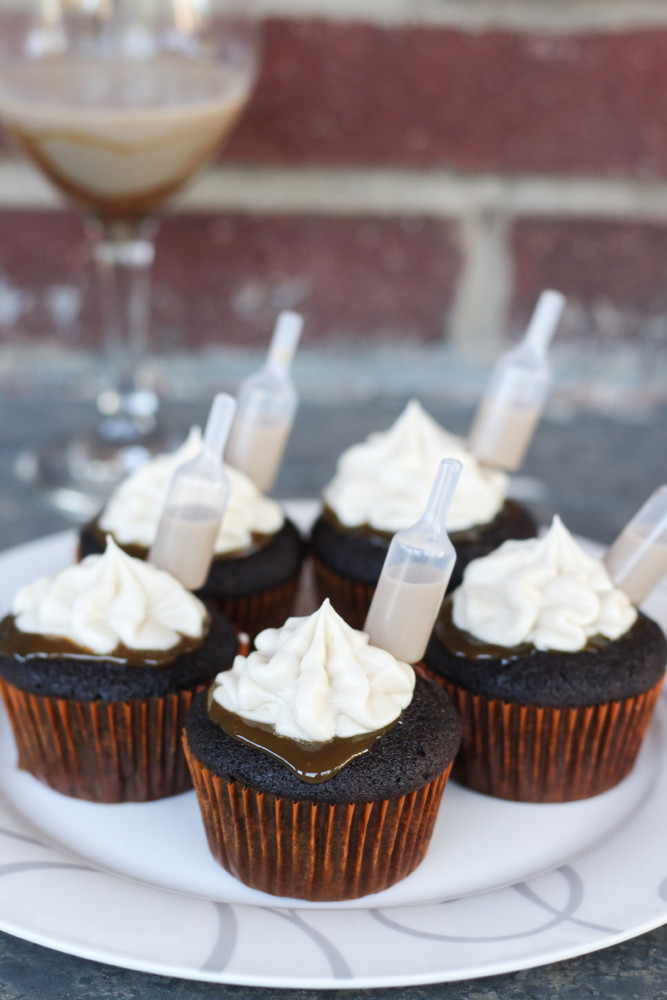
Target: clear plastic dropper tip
<point>285,339</point>
<point>219,423</point>
<point>445,483</point>
<point>545,319</point>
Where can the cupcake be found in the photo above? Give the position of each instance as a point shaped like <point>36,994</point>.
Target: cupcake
<point>258,552</point>
<point>382,486</point>
<point>98,667</point>
<point>554,672</point>
<point>319,762</point>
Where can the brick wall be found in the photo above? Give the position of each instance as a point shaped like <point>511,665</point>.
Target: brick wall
<point>410,171</point>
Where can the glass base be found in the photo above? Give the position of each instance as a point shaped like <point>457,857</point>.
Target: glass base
<point>77,476</point>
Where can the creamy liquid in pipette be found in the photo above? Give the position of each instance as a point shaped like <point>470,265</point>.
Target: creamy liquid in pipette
<point>184,543</point>
<point>257,449</point>
<point>638,580</point>
<point>404,609</point>
<point>121,136</point>
<point>500,435</point>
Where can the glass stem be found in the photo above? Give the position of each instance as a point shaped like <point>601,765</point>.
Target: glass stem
<point>123,254</point>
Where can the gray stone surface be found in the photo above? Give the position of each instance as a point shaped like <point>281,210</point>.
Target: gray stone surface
<point>635,970</point>
<point>593,470</point>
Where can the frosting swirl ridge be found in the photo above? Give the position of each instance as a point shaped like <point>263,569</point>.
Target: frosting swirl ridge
<point>315,679</point>
<point>545,591</point>
<point>133,512</point>
<point>110,600</point>
<point>385,481</point>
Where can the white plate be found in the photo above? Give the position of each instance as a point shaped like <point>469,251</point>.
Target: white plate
<point>504,886</point>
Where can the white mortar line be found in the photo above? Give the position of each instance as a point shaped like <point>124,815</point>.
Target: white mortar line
<point>438,193</point>
<point>23,187</point>
<point>383,192</point>
<point>481,15</point>
<point>477,319</point>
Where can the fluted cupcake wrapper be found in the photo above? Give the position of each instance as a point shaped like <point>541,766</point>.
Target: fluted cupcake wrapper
<point>531,753</point>
<point>265,609</point>
<point>114,751</point>
<point>313,850</point>
<point>350,598</point>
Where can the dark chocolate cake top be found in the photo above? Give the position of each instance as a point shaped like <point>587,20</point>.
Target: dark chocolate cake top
<point>104,678</point>
<point>605,670</point>
<point>540,621</point>
<point>359,554</point>
<point>408,756</point>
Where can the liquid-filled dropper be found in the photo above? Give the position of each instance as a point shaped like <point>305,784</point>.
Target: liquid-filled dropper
<point>517,392</point>
<point>266,405</point>
<point>195,504</point>
<point>415,575</point>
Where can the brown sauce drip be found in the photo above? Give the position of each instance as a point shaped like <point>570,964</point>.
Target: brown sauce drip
<point>311,762</point>
<point>258,542</point>
<point>466,646</point>
<point>30,645</point>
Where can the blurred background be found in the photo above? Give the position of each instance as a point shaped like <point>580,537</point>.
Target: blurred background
<point>409,175</point>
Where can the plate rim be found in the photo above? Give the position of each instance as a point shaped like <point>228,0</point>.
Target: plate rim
<point>551,951</point>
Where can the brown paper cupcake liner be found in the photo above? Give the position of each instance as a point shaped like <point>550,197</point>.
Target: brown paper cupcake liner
<point>350,598</point>
<point>114,751</point>
<point>313,850</point>
<point>530,753</point>
<point>265,609</point>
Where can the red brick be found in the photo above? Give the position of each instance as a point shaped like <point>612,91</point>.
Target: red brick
<point>613,274</point>
<point>356,94</point>
<point>221,280</point>
<point>343,94</point>
<point>42,253</point>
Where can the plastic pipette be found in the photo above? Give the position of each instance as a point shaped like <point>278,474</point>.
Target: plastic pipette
<point>415,575</point>
<point>637,560</point>
<point>267,404</point>
<point>517,392</point>
<point>195,504</point>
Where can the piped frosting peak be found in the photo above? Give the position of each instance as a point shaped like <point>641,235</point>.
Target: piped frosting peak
<point>385,481</point>
<point>544,591</point>
<point>110,600</point>
<point>315,679</point>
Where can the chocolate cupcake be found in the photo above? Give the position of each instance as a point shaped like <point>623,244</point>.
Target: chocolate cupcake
<point>258,552</point>
<point>98,667</point>
<point>319,763</point>
<point>553,671</point>
<point>382,486</point>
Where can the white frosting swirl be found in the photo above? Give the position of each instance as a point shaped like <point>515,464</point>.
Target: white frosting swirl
<point>133,512</point>
<point>385,482</point>
<point>316,678</point>
<point>545,591</point>
<point>110,600</point>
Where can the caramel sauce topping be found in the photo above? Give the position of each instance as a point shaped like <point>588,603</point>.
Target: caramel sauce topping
<point>31,645</point>
<point>466,646</point>
<point>311,762</point>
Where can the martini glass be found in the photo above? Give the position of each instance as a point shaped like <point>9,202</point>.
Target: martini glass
<point>119,103</point>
